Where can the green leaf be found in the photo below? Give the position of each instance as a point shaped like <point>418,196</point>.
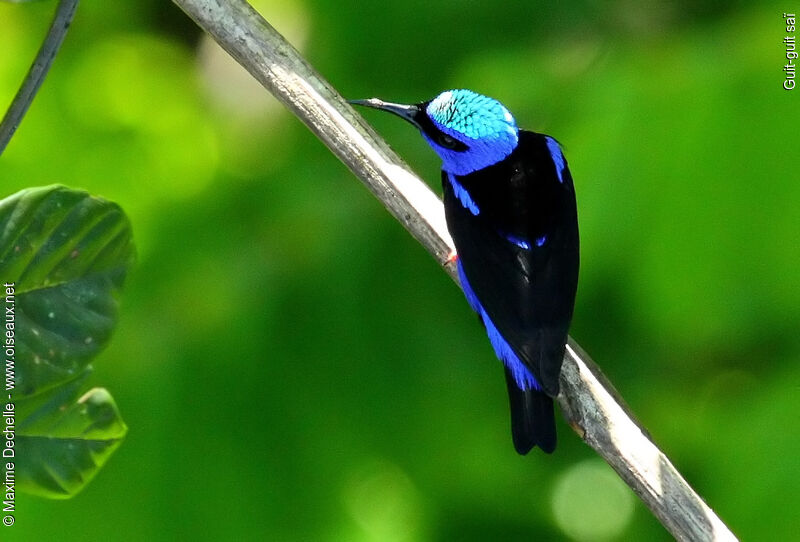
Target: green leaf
<point>62,445</point>
<point>67,254</point>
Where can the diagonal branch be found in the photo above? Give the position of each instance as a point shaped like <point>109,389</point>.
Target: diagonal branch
<point>587,400</point>
<point>41,65</point>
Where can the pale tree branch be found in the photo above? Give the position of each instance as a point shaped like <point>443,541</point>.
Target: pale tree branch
<point>587,400</point>
<point>41,65</point>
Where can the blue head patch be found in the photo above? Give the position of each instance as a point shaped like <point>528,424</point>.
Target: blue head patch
<point>481,124</point>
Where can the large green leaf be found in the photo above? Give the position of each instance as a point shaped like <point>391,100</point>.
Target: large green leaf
<point>67,253</point>
<point>64,440</point>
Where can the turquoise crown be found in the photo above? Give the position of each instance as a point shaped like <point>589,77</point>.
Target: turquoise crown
<point>483,124</point>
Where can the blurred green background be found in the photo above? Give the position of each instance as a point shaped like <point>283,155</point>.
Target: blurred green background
<point>293,366</point>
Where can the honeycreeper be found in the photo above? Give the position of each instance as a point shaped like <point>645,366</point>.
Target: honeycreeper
<point>510,206</point>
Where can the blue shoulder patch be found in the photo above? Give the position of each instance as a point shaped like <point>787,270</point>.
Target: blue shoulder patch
<point>522,375</point>
<point>522,243</point>
<point>558,157</point>
<point>462,195</point>
<point>519,241</point>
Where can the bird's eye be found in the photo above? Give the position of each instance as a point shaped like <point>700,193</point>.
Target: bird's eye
<point>448,142</point>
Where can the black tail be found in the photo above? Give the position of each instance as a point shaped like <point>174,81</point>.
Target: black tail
<point>532,420</point>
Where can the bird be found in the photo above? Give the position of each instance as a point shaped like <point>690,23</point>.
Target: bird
<point>510,208</point>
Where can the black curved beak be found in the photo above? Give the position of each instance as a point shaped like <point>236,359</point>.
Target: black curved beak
<point>408,112</point>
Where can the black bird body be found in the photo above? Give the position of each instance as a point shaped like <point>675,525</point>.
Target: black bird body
<point>510,206</point>
<point>528,293</point>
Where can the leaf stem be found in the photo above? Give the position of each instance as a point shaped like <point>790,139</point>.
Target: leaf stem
<point>41,65</point>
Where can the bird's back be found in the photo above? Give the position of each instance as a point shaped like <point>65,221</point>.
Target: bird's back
<point>520,252</point>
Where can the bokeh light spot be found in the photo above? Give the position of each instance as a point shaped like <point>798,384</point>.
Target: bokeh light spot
<point>229,87</point>
<point>591,503</point>
<point>384,502</point>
